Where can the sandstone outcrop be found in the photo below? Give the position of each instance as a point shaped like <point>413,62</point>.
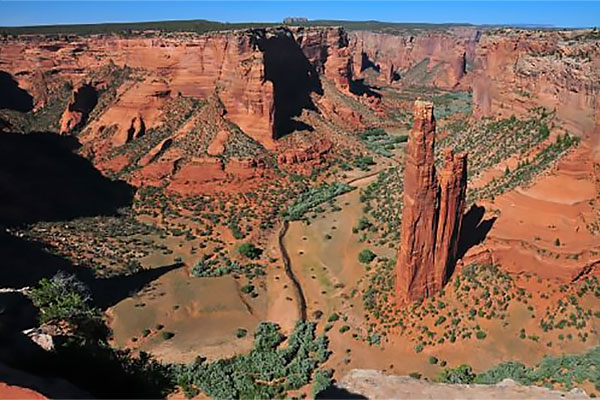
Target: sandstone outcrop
<point>374,384</point>
<point>303,160</point>
<point>82,102</point>
<point>432,211</point>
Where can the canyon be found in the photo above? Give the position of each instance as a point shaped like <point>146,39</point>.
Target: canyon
<point>211,181</point>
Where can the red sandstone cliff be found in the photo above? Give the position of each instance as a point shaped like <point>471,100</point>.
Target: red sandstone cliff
<point>248,69</point>
<point>432,211</point>
<point>445,54</point>
<point>516,70</point>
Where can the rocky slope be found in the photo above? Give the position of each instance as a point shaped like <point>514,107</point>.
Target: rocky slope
<point>432,213</point>
<point>376,385</point>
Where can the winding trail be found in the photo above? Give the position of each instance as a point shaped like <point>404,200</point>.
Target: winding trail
<point>286,258</point>
<point>289,272</point>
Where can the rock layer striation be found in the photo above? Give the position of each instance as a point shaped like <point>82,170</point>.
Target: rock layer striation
<point>433,210</point>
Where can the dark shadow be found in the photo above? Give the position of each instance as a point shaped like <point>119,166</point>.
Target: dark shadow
<point>16,313</point>
<point>42,179</point>
<point>25,262</point>
<point>366,63</point>
<point>51,387</point>
<point>396,76</point>
<point>12,96</point>
<point>131,130</point>
<point>108,292</point>
<point>294,79</point>
<point>359,88</point>
<point>5,125</point>
<point>84,101</point>
<point>474,229</point>
<point>296,125</point>
<point>334,392</point>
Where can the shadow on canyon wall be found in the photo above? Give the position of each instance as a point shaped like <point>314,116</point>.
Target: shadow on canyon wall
<point>84,101</point>
<point>474,229</point>
<point>366,63</point>
<point>12,96</point>
<point>42,179</point>
<point>294,79</point>
<point>359,87</point>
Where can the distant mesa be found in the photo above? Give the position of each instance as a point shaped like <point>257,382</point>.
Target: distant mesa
<point>432,214</point>
<point>295,20</point>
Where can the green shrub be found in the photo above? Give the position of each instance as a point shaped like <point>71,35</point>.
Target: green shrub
<point>322,380</point>
<point>461,374</point>
<point>63,298</point>
<point>432,360</point>
<point>315,196</point>
<point>269,370</point>
<point>481,335</point>
<point>366,256</point>
<point>166,335</point>
<point>363,223</point>
<point>247,288</point>
<point>513,370</point>
<point>363,163</point>
<point>333,317</point>
<point>250,251</point>
<point>240,333</point>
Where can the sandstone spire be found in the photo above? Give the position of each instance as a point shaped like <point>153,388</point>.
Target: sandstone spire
<point>433,210</point>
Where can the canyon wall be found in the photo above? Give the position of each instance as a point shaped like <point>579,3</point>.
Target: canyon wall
<point>515,70</point>
<point>441,57</point>
<point>432,211</point>
<point>263,77</point>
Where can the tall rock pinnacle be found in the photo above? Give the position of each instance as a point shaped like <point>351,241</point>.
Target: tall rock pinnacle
<point>433,211</point>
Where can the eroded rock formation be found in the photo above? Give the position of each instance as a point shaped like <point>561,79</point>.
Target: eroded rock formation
<point>302,160</point>
<point>432,214</point>
<point>82,102</point>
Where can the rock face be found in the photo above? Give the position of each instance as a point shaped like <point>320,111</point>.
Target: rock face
<point>264,77</point>
<point>83,100</point>
<point>375,385</point>
<point>432,214</point>
<point>303,160</point>
<point>515,70</point>
<point>433,58</point>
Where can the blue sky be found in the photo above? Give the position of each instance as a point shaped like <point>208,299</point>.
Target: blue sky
<point>557,13</point>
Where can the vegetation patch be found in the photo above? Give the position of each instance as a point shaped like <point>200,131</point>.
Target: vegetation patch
<point>559,372</point>
<point>268,371</point>
<point>315,196</point>
<point>380,142</point>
